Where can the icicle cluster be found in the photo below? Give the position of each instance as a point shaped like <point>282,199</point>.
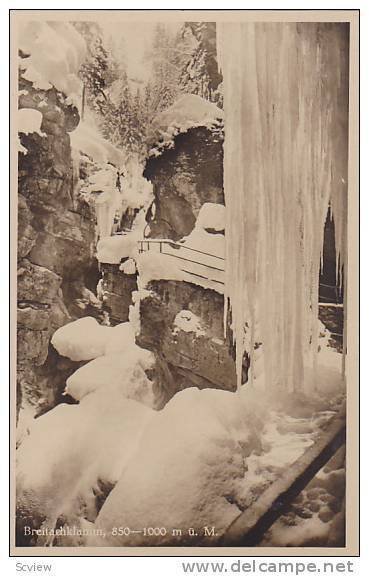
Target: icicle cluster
<point>285,160</point>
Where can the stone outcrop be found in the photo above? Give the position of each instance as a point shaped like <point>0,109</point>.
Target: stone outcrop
<point>55,248</point>
<point>186,358</point>
<point>183,358</point>
<point>184,178</point>
<point>117,288</point>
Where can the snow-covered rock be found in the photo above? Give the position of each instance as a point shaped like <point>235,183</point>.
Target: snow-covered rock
<point>86,339</point>
<point>55,52</point>
<point>197,353</point>
<point>185,167</point>
<point>211,216</point>
<point>122,367</point>
<point>189,111</point>
<point>111,250</point>
<point>55,239</point>
<point>212,245</point>
<point>29,120</point>
<point>185,471</point>
<point>83,339</point>
<point>74,454</point>
<point>124,372</point>
<point>128,267</point>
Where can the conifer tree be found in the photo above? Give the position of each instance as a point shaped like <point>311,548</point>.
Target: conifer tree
<point>199,74</point>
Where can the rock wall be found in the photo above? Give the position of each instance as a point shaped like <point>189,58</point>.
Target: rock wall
<point>55,249</point>
<point>183,358</point>
<point>117,290</point>
<point>204,359</point>
<point>184,178</point>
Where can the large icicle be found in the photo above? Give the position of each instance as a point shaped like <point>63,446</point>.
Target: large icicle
<point>285,159</point>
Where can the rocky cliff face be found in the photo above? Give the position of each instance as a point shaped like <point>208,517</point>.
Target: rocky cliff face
<point>117,289</point>
<point>55,248</point>
<point>184,178</point>
<point>182,324</point>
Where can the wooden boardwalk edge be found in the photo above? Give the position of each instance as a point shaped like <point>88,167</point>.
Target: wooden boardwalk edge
<point>250,526</point>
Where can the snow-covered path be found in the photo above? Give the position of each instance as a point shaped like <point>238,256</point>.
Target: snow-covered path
<point>192,261</point>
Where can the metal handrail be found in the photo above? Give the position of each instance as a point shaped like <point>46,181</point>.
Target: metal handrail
<point>175,244</point>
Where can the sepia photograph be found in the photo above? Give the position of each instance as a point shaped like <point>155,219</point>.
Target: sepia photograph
<point>184,264</point>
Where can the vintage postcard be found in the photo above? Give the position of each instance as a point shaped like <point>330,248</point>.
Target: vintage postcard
<point>185,271</point>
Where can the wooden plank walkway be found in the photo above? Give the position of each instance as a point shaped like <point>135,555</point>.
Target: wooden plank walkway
<point>250,526</point>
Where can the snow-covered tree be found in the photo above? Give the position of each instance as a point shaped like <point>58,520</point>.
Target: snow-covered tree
<point>199,74</point>
<point>163,58</point>
<point>99,69</point>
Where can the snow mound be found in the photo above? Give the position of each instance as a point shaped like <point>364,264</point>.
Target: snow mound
<point>86,339</point>
<point>210,246</point>
<point>124,372</point>
<point>211,216</point>
<point>312,530</point>
<point>111,250</point>
<point>128,267</point>
<point>185,470</point>
<point>190,111</point>
<point>122,367</point>
<point>73,452</point>
<point>83,339</point>
<point>30,120</point>
<point>55,52</point>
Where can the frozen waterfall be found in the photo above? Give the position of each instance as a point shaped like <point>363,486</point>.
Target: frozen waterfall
<point>285,162</point>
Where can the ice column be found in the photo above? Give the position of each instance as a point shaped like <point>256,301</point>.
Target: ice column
<point>285,160</point>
